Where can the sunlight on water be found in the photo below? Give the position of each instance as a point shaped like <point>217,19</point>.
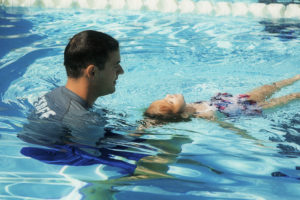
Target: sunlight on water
<point>197,55</point>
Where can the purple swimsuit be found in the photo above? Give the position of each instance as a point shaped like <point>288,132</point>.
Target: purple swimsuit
<point>235,105</point>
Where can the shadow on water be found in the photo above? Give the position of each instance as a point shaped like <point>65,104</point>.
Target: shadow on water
<point>284,29</point>
<point>14,34</point>
<point>152,168</point>
<point>287,143</point>
<point>292,136</point>
<point>18,68</point>
<point>285,2</point>
<point>136,159</point>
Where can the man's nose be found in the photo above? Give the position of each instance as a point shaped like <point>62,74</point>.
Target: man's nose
<point>120,71</point>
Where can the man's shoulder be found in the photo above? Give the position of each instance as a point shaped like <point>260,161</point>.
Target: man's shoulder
<point>58,103</point>
<point>52,105</point>
<point>57,114</point>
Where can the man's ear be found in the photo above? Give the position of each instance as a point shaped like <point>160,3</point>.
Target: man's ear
<point>90,71</point>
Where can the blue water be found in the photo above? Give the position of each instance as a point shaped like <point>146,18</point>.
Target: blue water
<point>195,55</point>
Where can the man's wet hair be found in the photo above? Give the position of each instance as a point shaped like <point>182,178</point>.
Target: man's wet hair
<point>86,48</point>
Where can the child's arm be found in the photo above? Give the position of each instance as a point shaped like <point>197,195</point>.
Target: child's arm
<point>237,130</point>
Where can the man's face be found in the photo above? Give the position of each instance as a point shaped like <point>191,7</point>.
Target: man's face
<point>105,79</point>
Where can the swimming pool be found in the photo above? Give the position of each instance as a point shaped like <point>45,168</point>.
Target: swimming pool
<point>197,55</point>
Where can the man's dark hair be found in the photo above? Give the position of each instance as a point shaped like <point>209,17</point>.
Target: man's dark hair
<point>86,48</point>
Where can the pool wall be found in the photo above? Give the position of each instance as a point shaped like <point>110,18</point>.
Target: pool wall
<point>217,8</point>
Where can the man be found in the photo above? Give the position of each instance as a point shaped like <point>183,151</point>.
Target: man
<point>62,119</point>
<point>92,61</point>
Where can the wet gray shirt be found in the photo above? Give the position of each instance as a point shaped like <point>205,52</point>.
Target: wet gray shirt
<point>60,116</point>
<point>59,104</point>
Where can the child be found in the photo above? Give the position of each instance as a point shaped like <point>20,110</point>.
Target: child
<point>173,106</point>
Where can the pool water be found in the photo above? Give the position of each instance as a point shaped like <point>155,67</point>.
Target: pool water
<point>161,53</point>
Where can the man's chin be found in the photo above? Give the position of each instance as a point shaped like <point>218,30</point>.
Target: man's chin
<point>113,89</point>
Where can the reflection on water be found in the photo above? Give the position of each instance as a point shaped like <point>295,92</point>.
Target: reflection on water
<point>284,29</point>
<point>149,168</point>
<point>285,2</point>
<point>15,33</point>
<point>288,143</point>
<point>81,142</point>
<point>82,137</point>
<point>292,136</point>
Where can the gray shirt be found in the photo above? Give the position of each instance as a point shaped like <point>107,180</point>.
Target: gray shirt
<point>61,116</point>
<point>60,104</point>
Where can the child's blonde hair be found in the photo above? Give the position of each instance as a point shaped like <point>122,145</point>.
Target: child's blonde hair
<point>160,109</point>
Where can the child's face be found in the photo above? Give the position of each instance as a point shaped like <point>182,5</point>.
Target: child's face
<point>168,107</point>
<point>177,102</point>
